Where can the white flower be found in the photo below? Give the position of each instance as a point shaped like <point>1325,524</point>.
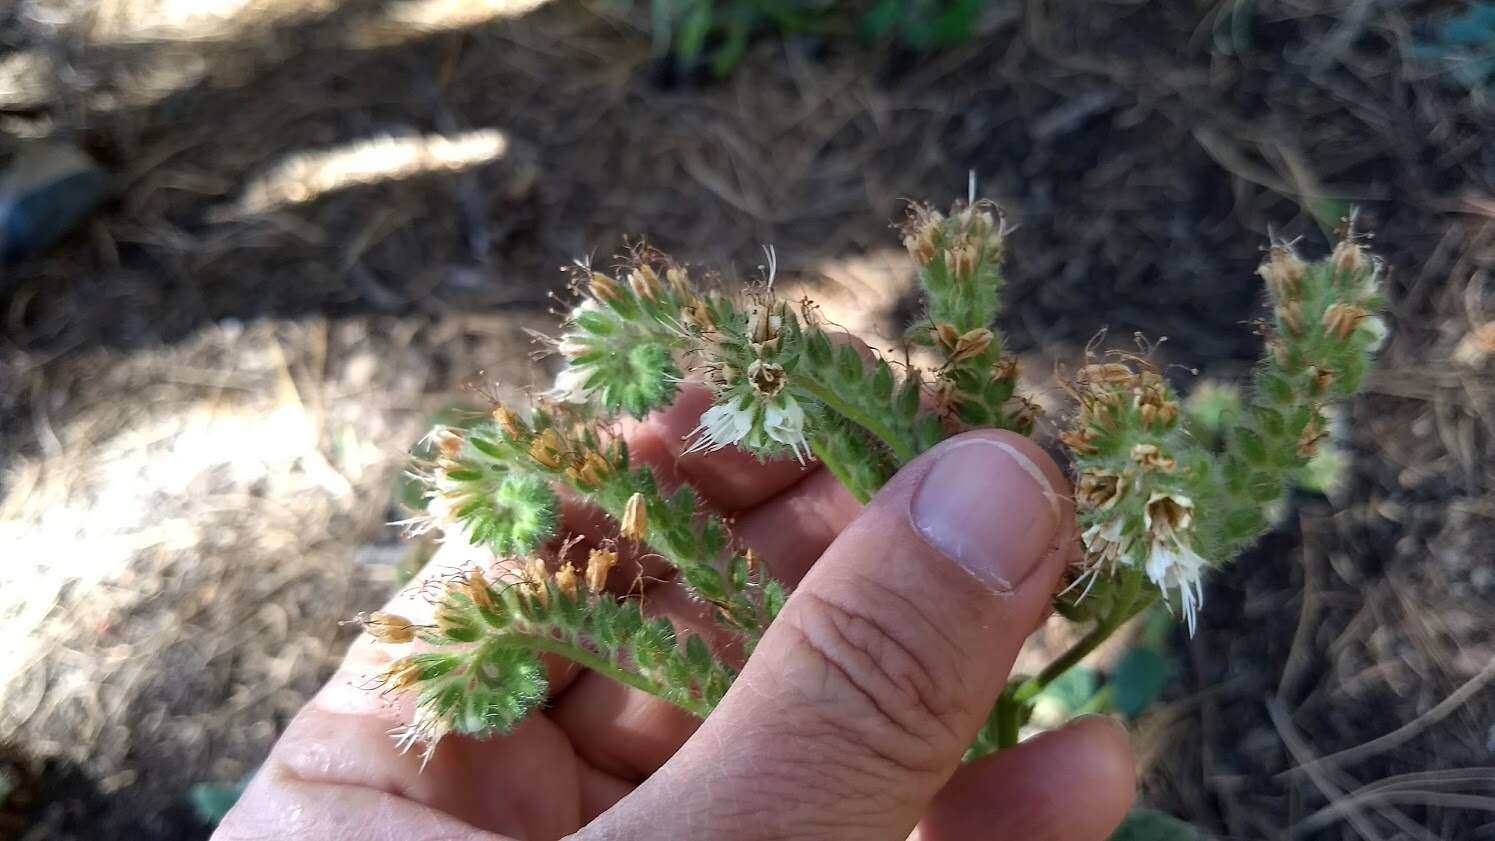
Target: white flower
<point>425,729</point>
<point>571,385</point>
<point>784,423</point>
<point>738,421</point>
<point>722,426</point>
<point>1172,565</point>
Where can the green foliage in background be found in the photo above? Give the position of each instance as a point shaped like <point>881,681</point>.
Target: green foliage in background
<point>1464,47</point>
<point>1148,825</point>
<point>715,33</point>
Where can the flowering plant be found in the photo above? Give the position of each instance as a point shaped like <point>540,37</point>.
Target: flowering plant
<point>1158,502</point>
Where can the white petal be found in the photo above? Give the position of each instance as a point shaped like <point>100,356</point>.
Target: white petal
<point>1178,567</point>
<point>722,426</point>
<point>784,423</point>
<point>571,385</point>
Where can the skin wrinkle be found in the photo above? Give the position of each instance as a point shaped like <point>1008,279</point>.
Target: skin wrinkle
<point>909,609</point>
<point>929,683</point>
<point>901,698</point>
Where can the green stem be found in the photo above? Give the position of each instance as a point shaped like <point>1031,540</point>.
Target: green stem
<point>1129,602</point>
<point>904,452</point>
<point>824,455</point>
<point>1009,720</point>
<point>595,662</point>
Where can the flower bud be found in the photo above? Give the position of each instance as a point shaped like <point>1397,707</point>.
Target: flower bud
<point>679,280</point>
<point>1322,379</point>
<point>645,283</point>
<point>600,562</point>
<point>919,232</point>
<point>451,620</point>
<point>1106,374</point>
<point>1349,257</point>
<point>547,448</point>
<point>1342,319</point>
<point>604,288</point>
<point>1006,369</point>
<point>1290,313</point>
<point>1080,440</point>
<point>389,627</point>
<point>946,337</point>
<point>962,259</point>
<point>1152,458</point>
<point>449,442</point>
<point>765,323</point>
<point>401,674</point>
<point>698,316</point>
<point>534,578</point>
<point>920,245</point>
<point>508,422</point>
<point>565,580</point>
<point>591,471</point>
<point>1022,413</point>
<point>971,343</point>
<point>476,587</point>
<point>635,518</point>
<point>1313,432</point>
<point>1283,272</point>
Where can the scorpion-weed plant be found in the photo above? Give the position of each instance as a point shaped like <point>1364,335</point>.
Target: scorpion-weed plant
<point>1157,506</point>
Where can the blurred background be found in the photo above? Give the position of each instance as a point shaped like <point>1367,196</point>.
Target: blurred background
<point>252,247</point>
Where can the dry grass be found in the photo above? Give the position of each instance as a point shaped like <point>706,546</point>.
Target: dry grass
<point>205,394</point>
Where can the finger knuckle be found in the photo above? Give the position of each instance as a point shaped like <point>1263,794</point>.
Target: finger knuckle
<point>892,679</point>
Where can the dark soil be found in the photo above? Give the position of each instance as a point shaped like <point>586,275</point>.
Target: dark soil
<point>1143,151</point>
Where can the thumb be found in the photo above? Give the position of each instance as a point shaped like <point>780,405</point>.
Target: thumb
<point>859,701</point>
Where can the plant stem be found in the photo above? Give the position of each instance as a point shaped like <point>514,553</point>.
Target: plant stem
<point>824,455</point>
<point>1009,720</point>
<point>587,659</point>
<point>901,448</point>
<point>1129,602</point>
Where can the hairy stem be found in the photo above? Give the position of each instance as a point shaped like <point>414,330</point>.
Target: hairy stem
<point>901,448</point>
<point>595,662</point>
<point>825,456</point>
<point>1129,602</point>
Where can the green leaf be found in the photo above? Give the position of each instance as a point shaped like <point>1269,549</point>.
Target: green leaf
<point>819,350</point>
<point>697,655</point>
<point>849,364</point>
<point>705,581</point>
<point>693,32</point>
<point>1150,825</point>
<point>882,382</point>
<point>1072,689</point>
<point>1137,680</point>
<point>908,401</point>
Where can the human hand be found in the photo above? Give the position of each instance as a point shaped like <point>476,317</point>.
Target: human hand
<point>848,723</point>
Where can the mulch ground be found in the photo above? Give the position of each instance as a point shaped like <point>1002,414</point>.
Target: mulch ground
<point>203,400</point>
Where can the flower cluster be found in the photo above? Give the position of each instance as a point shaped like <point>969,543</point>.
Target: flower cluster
<point>1132,496</point>
<point>747,361</point>
<point>959,263</point>
<point>1161,496</point>
<point>1152,495</point>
